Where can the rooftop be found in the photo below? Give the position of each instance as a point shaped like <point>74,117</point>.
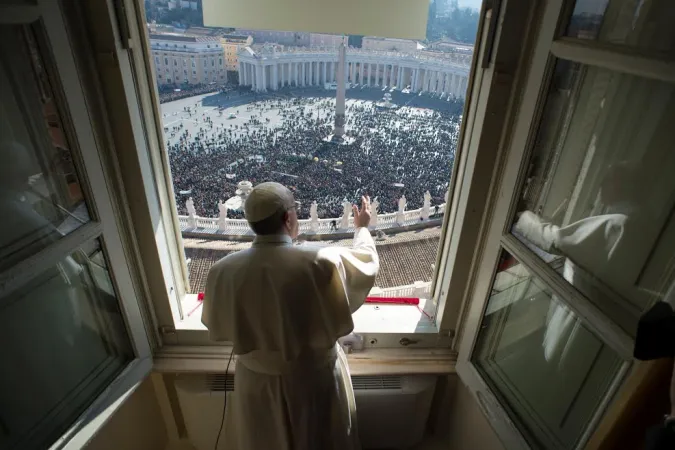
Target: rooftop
<point>235,37</point>
<point>405,257</point>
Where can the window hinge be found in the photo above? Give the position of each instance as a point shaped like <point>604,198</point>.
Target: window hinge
<point>167,330</point>
<point>123,23</point>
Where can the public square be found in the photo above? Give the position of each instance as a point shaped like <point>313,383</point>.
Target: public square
<point>216,140</point>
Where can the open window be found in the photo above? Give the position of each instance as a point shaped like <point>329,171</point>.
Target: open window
<point>268,114</point>
<point>580,240</point>
<point>73,333</point>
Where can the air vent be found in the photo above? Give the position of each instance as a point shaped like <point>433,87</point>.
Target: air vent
<point>219,382</point>
<point>376,382</point>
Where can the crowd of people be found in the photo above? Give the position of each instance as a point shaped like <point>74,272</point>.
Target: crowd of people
<point>170,93</point>
<point>387,153</point>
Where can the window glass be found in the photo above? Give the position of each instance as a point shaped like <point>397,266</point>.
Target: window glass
<point>549,371</point>
<point>41,196</point>
<point>65,340</point>
<point>643,24</point>
<point>599,197</point>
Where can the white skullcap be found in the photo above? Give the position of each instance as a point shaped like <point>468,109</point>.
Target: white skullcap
<point>267,199</point>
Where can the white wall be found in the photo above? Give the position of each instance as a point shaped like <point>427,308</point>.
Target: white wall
<point>137,425</point>
<point>459,423</point>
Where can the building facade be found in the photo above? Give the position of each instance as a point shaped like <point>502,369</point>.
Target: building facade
<point>180,59</point>
<point>389,45</point>
<point>325,40</point>
<point>272,67</point>
<point>232,43</point>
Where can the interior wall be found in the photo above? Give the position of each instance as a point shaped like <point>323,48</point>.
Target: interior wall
<point>459,424</point>
<point>137,424</point>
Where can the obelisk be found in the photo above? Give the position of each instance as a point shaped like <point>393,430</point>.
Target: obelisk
<point>340,99</point>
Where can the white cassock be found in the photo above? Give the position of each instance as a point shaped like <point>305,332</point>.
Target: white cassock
<point>283,307</point>
<point>594,245</point>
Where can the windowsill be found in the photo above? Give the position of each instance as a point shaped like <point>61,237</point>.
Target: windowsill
<point>370,318</point>
<point>369,361</point>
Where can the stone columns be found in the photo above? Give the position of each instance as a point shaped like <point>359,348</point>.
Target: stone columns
<point>415,76</point>
<point>361,66</point>
<point>275,76</point>
<point>324,72</point>
<point>399,80</point>
<point>302,74</point>
<point>241,74</point>
<point>264,78</point>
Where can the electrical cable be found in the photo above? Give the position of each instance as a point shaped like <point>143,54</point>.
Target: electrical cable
<point>222,419</point>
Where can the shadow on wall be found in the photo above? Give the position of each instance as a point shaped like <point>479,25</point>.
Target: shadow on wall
<point>459,423</point>
<point>136,425</point>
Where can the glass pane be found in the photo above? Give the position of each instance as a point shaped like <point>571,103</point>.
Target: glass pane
<point>68,341</point>
<point>547,368</point>
<point>40,193</point>
<point>599,197</point>
<point>646,25</point>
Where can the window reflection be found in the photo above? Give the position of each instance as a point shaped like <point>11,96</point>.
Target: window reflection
<point>550,371</point>
<point>644,24</point>
<point>40,194</point>
<point>599,198</point>
<point>68,341</point>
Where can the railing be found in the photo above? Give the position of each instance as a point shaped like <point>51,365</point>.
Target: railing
<point>460,61</point>
<point>421,289</point>
<point>213,225</point>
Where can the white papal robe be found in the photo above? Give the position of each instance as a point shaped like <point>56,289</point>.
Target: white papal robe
<point>283,307</point>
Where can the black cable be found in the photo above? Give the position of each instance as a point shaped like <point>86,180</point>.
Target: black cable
<point>222,419</point>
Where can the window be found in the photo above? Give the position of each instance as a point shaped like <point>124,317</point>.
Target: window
<point>580,241</point>
<point>69,317</point>
<point>193,63</point>
<point>175,62</point>
<point>157,60</point>
<point>166,61</point>
<point>431,100</point>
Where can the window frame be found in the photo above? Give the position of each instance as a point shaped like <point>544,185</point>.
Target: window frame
<point>465,185</point>
<point>549,46</point>
<point>57,56</point>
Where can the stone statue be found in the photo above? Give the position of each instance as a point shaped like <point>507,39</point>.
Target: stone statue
<point>402,203</point>
<point>400,214</point>
<point>222,216</point>
<point>190,205</point>
<point>192,213</point>
<point>374,205</point>
<point>426,207</point>
<point>347,211</point>
<point>313,217</point>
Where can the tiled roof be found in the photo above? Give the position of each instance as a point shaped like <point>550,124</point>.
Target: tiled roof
<point>404,258</point>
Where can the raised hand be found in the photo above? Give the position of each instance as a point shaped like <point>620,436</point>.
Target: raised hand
<point>362,216</point>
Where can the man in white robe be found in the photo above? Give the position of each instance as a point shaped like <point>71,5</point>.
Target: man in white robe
<point>283,307</point>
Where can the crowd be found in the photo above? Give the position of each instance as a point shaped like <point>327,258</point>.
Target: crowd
<point>387,154</point>
<point>171,93</point>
